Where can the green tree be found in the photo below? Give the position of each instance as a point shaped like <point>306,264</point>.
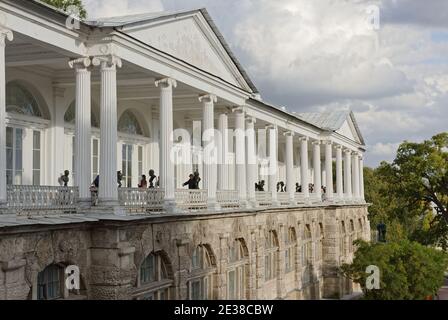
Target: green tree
<point>405,192</point>
<point>64,4</point>
<point>408,270</point>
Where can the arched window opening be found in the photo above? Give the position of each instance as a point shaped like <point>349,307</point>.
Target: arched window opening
<point>290,252</point>
<point>203,269</point>
<point>70,116</point>
<point>319,243</point>
<point>307,254</point>
<point>155,278</point>
<point>237,270</point>
<point>51,284</point>
<point>351,236</point>
<point>342,235</point>
<point>129,124</point>
<point>20,100</point>
<point>271,251</point>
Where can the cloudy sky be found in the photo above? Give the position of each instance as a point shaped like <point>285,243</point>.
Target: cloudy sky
<point>310,55</point>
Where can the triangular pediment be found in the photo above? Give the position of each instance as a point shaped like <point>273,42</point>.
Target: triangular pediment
<point>190,38</point>
<point>349,129</point>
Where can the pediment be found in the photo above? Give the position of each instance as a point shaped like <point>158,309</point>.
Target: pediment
<point>190,39</point>
<point>349,130</point>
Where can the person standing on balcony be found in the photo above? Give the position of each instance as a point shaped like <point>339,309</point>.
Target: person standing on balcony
<point>143,183</point>
<point>191,183</point>
<point>197,179</point>
<point>119,178</point>
<point>152,177</point>
<point>64,179</point>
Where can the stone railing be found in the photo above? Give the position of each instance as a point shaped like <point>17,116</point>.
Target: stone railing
<point>283,198</point>
<point>228,198</point>
<point>191,199</point>
<point>264,198</point>
<point>141,200</point>
<point>300,198</point>
<point>42,198</point>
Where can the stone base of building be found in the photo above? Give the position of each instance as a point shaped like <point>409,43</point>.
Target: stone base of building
<point>281,254</point>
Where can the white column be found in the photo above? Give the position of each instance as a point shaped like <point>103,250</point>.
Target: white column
<point>210,151</point>
<point>355,175</point>
<point>4,35</point>
<point>166,164</point>
<point>361,177</point>
<point>108,191</point>
<point>251,160</point>
<point>329,170</point>
<point>83,164</point>
<point>348,174</point>
<point>304,167</point>
<point>290,176</point>
<point>273,162</point>
<point>223,152</point>
<point>240,155</point>
<point>339,175</point>
<point>317,171</point>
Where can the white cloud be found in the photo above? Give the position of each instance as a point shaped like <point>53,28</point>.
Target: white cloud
<point>323,55</point>
<point>110,8</point>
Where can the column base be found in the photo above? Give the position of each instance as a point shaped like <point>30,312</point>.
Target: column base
<point>213,205</point>
<point>244,204</point>
<point>170,207</point>
<point>253,203</point>
<point>85,203</point>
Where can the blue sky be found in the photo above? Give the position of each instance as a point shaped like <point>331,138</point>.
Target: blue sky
<point>316,55</point>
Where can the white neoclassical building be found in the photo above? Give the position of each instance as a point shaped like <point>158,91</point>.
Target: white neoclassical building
<point>111,95</point>
<point>281,195</point>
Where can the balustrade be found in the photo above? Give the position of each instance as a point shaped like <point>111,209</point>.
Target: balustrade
<point>42,198</point>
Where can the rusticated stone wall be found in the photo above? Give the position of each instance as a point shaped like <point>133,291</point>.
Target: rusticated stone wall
<point>109,253</point>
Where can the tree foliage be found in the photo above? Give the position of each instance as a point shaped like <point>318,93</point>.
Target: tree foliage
<point>65,4</point>
<point>410,194</point>
<point>408,270</point>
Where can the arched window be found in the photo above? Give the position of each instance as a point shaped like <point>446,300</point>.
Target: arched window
<point>271,251</point>
<point>20,100</point>
<point>351,236</point>
<point>70,116</point>
<point>155,278</point>
<point>290,250</point>
<point>128,123</point>
<point>50,283</point>
<point>237,270</point>
<point>319,242</point>
<point>201,279</point>
<point>307,254</point>
<point>342,235</point>
<point>360,229</point>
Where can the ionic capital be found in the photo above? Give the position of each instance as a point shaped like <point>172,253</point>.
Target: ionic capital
<point>327,142</point>
<point>316,143</point>
<point>270,127</point>
<point>239,109</point>
<point>348,151</point>
<point>5,34</point>
<point>251,120</point>
<point>338,147</point>
<point>80,63</point>
<point>207,98</point>
<point>289,134</point>
<point>107,61</point>
<point>166,83</point>
<point>303,139</point>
